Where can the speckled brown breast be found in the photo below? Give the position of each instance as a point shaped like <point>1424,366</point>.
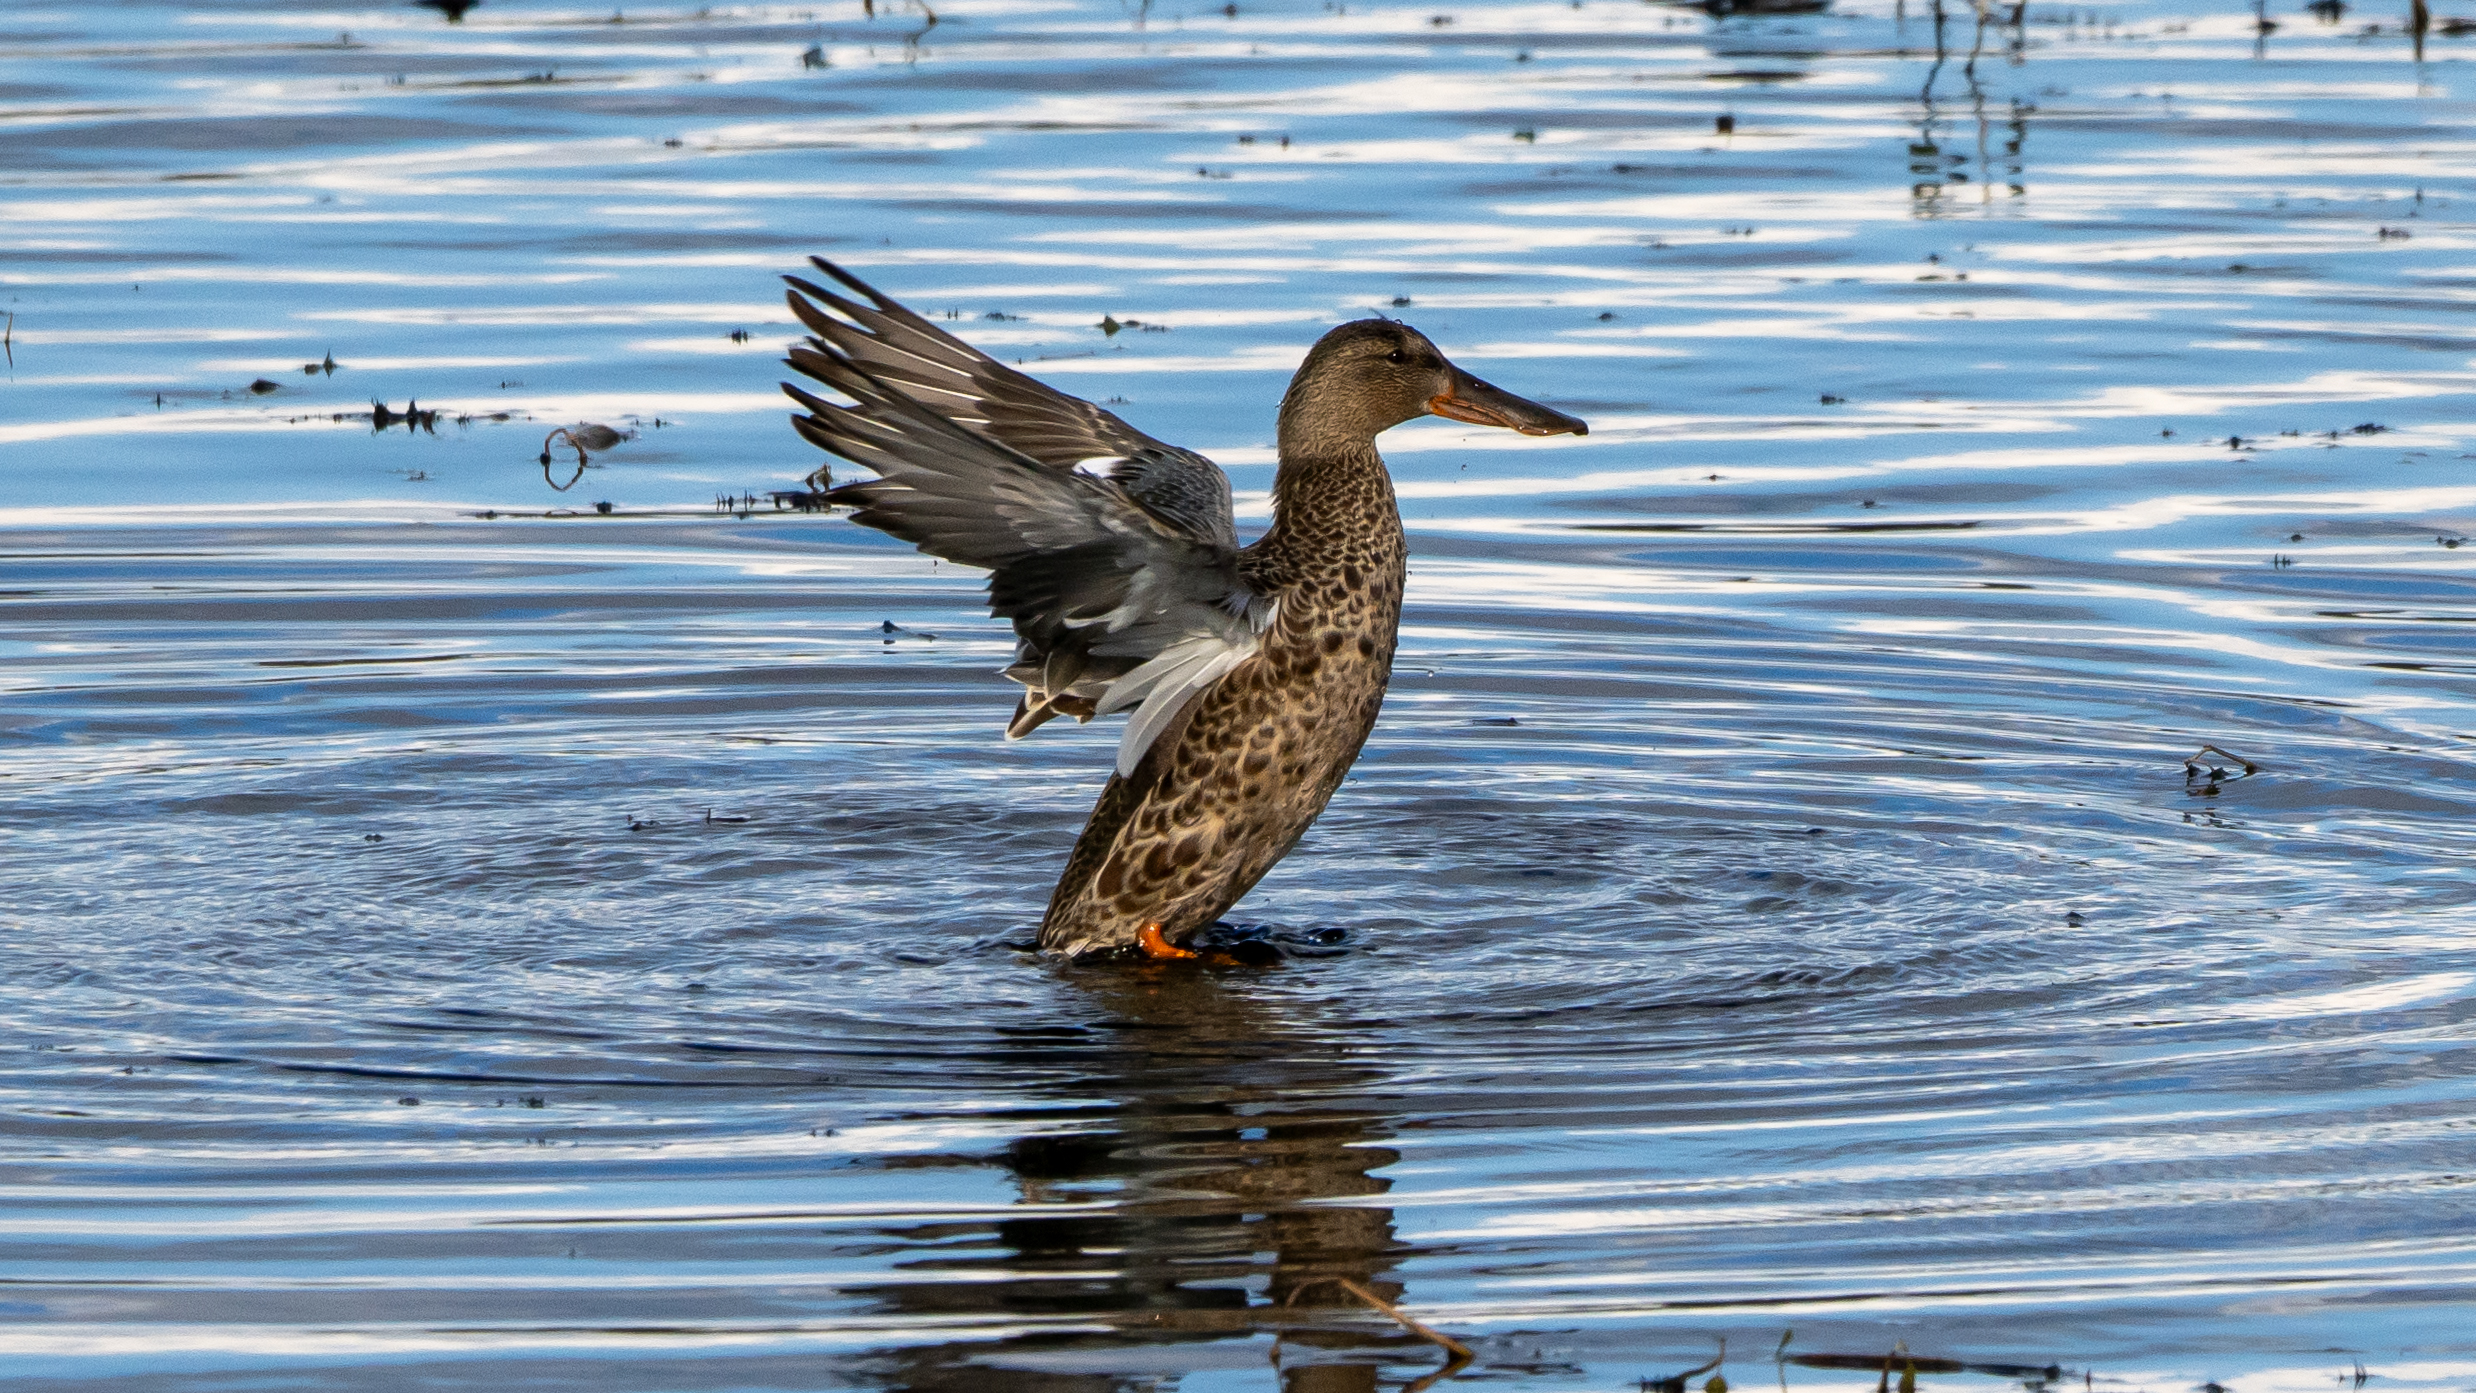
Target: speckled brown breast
<point>1219,800</point>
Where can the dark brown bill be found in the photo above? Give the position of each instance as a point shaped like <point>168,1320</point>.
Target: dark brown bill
<point>1485,404</point>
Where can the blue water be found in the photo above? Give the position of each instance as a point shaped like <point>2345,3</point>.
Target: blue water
<point>461,939</point>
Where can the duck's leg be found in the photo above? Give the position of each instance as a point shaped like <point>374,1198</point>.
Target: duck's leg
<point>1148,941</point>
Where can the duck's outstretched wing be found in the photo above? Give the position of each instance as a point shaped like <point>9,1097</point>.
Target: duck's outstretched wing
<point>959,382</point>
<point>1113,606</point>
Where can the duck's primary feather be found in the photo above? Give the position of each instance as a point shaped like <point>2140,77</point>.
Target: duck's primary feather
<point>903,351</point>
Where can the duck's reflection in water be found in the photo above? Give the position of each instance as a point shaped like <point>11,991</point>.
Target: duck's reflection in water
<point>1201,1156</point>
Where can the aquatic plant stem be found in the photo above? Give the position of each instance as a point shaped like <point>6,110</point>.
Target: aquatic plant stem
<point>1461,1352</point>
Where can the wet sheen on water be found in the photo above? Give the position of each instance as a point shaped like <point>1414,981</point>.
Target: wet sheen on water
<point>458,939</point>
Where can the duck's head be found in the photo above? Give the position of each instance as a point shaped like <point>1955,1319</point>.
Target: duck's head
<point>1370,375</point>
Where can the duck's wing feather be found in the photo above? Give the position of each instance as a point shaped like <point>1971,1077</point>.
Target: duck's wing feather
<point>1113,606</point>
<point>966,386</point>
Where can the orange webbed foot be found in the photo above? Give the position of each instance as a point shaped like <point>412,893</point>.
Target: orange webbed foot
<point>1148,941</point>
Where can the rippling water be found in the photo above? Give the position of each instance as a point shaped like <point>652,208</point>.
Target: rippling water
<point>457,939</point>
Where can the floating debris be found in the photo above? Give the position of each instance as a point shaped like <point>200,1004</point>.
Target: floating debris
<point>263,386</point>
<point>583,437</point>
<point>808,500</point>
<point>1457,1354</point>
<point>2202,777</point>
<point>1675,1383</point>
<point>453,9</point>
<point>1911,1365</point>
<point>413,417</point>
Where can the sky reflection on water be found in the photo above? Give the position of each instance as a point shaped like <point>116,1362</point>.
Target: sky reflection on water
<point>1774,896</point>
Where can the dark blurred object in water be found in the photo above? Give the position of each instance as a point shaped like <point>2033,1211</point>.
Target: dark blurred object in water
<point>585,437</point>
<point>453,9</point>
<point>1721,9</point>
<point>1909,1364</point>
<point>412,417</point>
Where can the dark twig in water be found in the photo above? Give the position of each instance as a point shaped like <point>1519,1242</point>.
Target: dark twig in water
<point>1675,1383</point>
<point>1925,1364</point>
<point>1461,1352</point>
<point>8,340</point>
<point>2193,762</point>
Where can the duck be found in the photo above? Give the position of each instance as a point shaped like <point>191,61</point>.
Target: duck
<point>1251,674</point>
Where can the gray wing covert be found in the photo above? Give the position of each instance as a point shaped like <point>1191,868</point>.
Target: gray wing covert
<point>1114,604</point>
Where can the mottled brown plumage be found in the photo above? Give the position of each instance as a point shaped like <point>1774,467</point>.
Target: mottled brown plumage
<point>1255,673</point>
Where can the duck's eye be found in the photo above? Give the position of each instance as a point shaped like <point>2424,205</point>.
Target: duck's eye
<point>1397,356</point>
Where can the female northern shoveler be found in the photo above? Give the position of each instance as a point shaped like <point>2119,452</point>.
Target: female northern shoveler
<point>1254,672</point>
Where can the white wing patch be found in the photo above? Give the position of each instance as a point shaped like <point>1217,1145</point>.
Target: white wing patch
<point>1164,684</point>
<point>1100,466</point>
<point>1167,681</point>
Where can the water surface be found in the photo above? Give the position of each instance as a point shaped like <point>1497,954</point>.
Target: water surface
<point>463,940</point>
